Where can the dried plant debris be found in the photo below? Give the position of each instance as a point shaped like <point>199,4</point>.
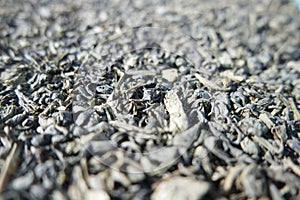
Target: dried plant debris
<point>149,100</point>
<point>180,188</point>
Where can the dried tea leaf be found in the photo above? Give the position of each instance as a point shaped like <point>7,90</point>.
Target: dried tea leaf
<point>186,138</point>
<point>294,144</point>
<point>230,75</point>
<point>170,74</point>
<point>180,188</point>
<point>265,144</point>
<point>211,84</point>
<point>96,194</point>
<point>232,175</point>
<point>296,169</point>
<point>28,105</point>
<point>249,146</point>
<point>178,117</point>
<point>266,119</point>
<point>23,182</point>
<point>11,164</point>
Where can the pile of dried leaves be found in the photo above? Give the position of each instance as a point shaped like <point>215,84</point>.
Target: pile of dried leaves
<point>149,100</point>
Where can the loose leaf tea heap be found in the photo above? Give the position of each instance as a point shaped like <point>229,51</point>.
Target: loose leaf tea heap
<point>149,100</point>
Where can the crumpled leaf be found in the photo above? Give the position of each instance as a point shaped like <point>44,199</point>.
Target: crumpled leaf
<point>180,188</point>
<point>178,117</point>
